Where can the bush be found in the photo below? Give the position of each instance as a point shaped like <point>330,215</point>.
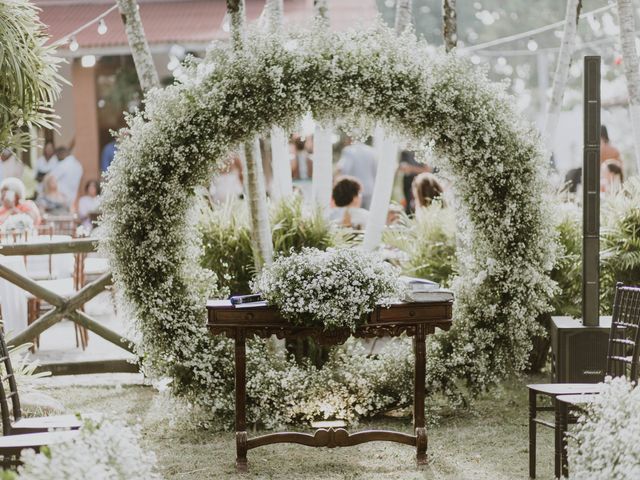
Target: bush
<point>620,242</point>
<point>429,243</point>
<point>607,440</point>
<point>567,271</point>
<point>108,450</point>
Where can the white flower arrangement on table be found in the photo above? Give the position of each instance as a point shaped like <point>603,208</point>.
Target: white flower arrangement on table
<point>108,450</point>
<point>607,441</point>
<point>18,223</point>
<point>332,288</point>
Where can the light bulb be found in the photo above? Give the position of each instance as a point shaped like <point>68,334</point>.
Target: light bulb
<point>532,45</point>
<point>73,44</point>
<point>102,27</point>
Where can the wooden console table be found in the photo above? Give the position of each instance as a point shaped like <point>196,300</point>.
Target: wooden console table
<point>414,319</point>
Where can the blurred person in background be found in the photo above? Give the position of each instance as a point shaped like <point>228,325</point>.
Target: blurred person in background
<point>607,151</point>
<point>427,188</point>
<point>52,200</point>
<point>45,163</point>
<point>89,204</point>
<point>410,168</point>
<point>12,194</point>
<point>346,201</point>
<point>107,155</point>
<point>228,183</point>
<point>11,166</point>
<point>68,173</point>
<point>359,161</point>
<point>611,176</point>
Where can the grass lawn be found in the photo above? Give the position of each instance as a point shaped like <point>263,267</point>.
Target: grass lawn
<point>489,441</point>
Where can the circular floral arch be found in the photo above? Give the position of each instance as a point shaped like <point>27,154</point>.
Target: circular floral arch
<point>440,101</point>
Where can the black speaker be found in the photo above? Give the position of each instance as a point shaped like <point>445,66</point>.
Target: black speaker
<point>579,352</point>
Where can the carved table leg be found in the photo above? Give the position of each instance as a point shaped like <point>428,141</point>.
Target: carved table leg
<point>241,399</point>
<point>418,394</point>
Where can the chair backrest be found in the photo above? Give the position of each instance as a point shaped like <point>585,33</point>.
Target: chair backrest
<point>62,224</point>
<point>8,390</point>
<point>624,338</point>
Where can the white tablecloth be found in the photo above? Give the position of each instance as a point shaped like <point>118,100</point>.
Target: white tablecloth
<point>12,298</point>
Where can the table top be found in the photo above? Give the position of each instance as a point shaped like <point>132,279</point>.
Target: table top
<point>263,321</point>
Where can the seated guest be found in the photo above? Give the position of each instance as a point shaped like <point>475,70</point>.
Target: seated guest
<point>611,176</point>
<point>12,193</point>
<point>52,200</point>
<point>89,203</point>
<point>426,188</point>
<point>346,201</point>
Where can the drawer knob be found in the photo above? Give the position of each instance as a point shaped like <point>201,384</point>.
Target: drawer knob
<point>248,316</point>
<point>412,313</point>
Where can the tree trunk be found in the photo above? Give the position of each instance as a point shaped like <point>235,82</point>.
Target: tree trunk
<point>322,167</point>
<point>387,152</point>
<point>627,20</point>
<point>561,74</point>
<point>256,192</point>
<point>147,74</point>
<point>449,24</point>
<point>258,209</point>
<point>321,9</point>
<point>235,10</point>
<point>382,190</point>
<point>282,183</point>
<point>274,10</point>
<point>403,15</point>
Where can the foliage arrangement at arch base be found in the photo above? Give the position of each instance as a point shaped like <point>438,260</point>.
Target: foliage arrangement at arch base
<point>439,102</point>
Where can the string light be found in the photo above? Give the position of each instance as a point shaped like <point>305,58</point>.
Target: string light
<point>73,44</point>
<point>532,45</point>
<point>102,27</point>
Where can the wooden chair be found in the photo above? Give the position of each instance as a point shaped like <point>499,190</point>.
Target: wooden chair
<point>622,359</point>
<point>62,224</point>
<point>11,412</point>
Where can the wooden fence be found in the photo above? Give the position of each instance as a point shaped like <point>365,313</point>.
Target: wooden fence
<point>63,307</point>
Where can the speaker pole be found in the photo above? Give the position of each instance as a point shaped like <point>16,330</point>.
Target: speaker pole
<point>591,194</point>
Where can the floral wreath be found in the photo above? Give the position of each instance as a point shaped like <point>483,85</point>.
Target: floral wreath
<point>441,102</point>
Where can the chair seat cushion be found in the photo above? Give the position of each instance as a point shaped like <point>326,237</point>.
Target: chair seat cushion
<point>554,389</point>
<point>13,444</point>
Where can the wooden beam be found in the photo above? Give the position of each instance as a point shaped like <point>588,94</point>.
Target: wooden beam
<point>86,321</point>
<point>90,367</point>
<point>89,291</point>
<point>80,245</point>
<point>46,321</point>
<point>31,286</point>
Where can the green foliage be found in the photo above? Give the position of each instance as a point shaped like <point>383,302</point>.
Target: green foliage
<point>429,243</point>
<point>28,74</point>
<point>227,238</point>
<point>567,271</point>
<point>620,242</point>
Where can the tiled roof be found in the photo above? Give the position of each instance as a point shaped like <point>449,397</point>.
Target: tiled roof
<point>182,21</point>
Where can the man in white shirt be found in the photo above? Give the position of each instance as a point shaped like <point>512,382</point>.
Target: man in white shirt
<point>10,166</point>
<point>68,171</point>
